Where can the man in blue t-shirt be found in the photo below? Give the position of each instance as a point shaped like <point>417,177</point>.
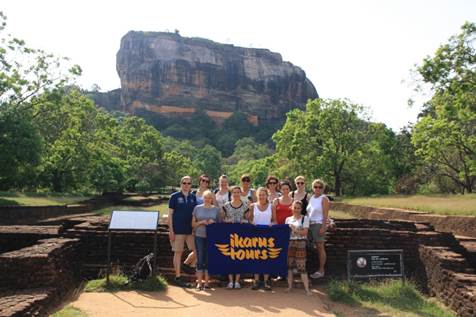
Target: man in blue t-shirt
<point>181,205</point>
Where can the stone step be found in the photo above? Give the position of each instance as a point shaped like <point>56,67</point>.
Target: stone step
<point>27,302</point>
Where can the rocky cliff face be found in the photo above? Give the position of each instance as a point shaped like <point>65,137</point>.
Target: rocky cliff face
<point>174,75</point>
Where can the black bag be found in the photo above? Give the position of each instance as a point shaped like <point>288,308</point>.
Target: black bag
<point>142,269</point>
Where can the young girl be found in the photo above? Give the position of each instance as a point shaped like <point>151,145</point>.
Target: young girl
<point>299,226</point>
<point>235,212</point>
<point>262,213</point>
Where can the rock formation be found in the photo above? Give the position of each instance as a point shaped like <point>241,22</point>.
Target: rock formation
<point>177,76</point>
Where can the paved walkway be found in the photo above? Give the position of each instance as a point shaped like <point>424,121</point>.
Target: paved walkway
<point>217,302</point>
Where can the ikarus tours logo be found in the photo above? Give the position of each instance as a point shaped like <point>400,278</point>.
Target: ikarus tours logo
<point>246,248</point>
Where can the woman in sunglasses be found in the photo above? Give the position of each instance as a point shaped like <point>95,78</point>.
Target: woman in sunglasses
<point>300,192</point>
<point>248,194</point>
<point>272,183</point>
<point>203,185</point>
<point>318,213</point>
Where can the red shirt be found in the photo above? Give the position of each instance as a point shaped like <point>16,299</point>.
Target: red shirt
<point>282,212</point>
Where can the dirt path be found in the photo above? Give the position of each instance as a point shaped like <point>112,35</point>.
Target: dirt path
<point>217,302</point>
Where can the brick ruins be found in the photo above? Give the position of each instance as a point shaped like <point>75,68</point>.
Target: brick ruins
<point>40,266</point>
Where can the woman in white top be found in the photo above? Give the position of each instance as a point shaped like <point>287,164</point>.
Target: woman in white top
<point>222,195</point>
<point>261,213</point>
<point>299,225</point>
<point>318,213</point>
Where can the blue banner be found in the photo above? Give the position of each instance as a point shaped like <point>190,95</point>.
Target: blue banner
<point>246,248</point>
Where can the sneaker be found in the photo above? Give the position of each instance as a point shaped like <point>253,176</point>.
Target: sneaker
<point>199,287</point>
<point>308,293</point>
<point>230,285</point>
<point>255,286</point>
<point>267,287</point>
<point>179,282</point>
<point>206,286</point>
<point>317,274</point>
<point>237,285</point>
<point>187,269</point>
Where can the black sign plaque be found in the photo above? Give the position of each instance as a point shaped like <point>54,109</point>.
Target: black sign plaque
<point>375,263</point>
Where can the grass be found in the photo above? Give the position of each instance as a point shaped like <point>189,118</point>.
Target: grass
<point>120,283</point>
<point>70,311</point>
<point>439,204</point>
<point>163,208</point>
<point>391,297</point>
<point>39,199</point>
<point>338,214</point>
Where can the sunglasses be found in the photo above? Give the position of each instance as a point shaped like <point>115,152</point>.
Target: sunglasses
<point>206,181</point>
<point>300,183</point>
<point>186,183</point>
<point>320,187</point>
<point>246,180</point>
<point>272,183</point>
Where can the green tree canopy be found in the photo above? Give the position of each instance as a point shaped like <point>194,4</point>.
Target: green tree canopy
<point>445,137</point>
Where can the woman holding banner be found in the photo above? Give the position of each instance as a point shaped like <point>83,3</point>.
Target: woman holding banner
<point>318,213</point>
<point>262,213</point>
<point>299,226</point>
<point>189,265</point>
<point>235,212</point>
<point>203,215</point>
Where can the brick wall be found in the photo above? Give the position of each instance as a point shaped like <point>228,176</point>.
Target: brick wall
<point>25,215</point>
<point>459,225</point>
<point>450,278</point>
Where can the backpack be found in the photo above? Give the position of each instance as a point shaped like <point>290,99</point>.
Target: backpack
<point>142,269</point>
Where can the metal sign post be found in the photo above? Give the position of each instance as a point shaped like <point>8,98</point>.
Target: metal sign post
<point>132,221</point>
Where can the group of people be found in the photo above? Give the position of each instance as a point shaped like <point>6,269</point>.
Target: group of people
<point>190,212</point>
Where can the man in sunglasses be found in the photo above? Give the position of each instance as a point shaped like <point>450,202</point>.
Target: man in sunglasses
<point>181,205</point>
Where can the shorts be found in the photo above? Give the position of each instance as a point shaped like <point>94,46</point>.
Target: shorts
<point>297,255</point>
<point>179,242</point>
<point>314,232</point>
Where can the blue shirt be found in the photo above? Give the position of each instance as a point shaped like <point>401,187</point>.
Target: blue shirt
<point>183,209</point>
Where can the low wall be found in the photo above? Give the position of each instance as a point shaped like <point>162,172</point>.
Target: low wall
<point>40,274</point>
<point>18,237</point>
<point>37,278</point>
<point>459,225</point>
<point>26,215</point>
<point>450,279</point>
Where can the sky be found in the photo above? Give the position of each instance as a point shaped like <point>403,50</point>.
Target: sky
<point>360,50</point>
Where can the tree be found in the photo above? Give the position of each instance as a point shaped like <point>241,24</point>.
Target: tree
<point>445,136</point>
<point>25,73</point>
<point>247,149</point>
<point>208,161</point>
<point>322,140</point>
<point>20,146</point>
